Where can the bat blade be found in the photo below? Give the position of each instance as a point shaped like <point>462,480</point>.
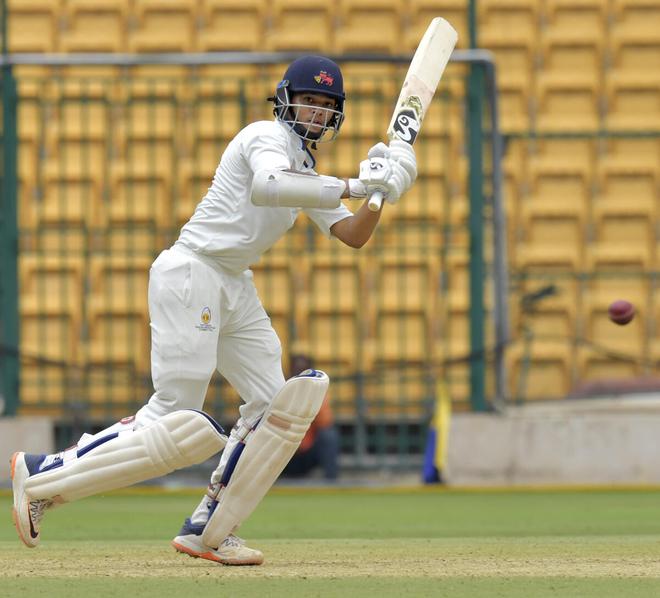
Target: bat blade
<point>424,73</point>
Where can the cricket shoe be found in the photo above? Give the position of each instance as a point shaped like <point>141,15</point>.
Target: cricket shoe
<point>27,512</point>
<point>232,550</point>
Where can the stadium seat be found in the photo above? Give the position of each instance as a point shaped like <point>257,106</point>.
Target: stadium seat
<point>95,26</point>
<point>547,305</point>
<point>633,100</point>
<point>422,12</point>
<point>569,16</point>
<point>277,283</point>
<point>429,198</point>
<point>573,53</point>
<point>230,26</point>
<point>117,311</point>
<point>568,102</point>
<point>407,285</point>
<point>520,16</point>
<point>368,26</point>
<point>597,364</point>
<point>635,47</point>
<point>540,370</point>
<point>119,283</point>
<point>163,26</point>
<point>50,305</point>
<point>335,284</point>
<point>400,393</point>
<point>607,341</point>
<point>316,18</point>
<point>636,12</point>
<point>402,337</point>
<point>139,195</point>
<point>553,226</point>
<point>32,25</point>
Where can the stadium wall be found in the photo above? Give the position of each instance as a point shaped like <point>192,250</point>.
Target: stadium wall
<point>585,441</point>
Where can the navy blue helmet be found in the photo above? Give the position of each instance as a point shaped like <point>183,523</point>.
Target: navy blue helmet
<point>312,74</point>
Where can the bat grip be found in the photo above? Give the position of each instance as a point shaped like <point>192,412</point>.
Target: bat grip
<point>375,201</point>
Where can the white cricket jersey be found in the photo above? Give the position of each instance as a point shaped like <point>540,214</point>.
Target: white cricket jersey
<point>226,226</point>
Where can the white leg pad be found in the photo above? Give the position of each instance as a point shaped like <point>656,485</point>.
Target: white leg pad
<point>267,451</point>
<point>174,441</point>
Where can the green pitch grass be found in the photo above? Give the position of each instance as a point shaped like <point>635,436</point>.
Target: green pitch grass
<point>426,542</point>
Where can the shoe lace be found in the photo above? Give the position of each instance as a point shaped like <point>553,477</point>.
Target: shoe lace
<point>232,540</point>
<point>37,509</point>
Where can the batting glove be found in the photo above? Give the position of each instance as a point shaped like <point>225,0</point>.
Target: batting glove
<point>404,154</point>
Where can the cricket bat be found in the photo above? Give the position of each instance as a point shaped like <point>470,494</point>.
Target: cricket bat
<point>422,78</point>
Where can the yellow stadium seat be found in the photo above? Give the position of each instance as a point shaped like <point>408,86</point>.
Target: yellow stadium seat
<point>118,339</point>
<point>586,16</point>
<point>633,100</point>
<point>596,364</point>
<point>635,47</point>
<point>276,283</point>
<point>368,26</point>
<point>95,26</point>
<point>573,52</point>
<point>429,198</point>
<point>403,337</point>
<point>119,283</point>
<point>540,370</point>
<point>398,394</point>
<point>636,12</point>
<point>50,305</point>
<point>548,305</point>
<point>32,25</point>
<point>117,312</point>
<point>407,285</point>
<point>230,26</point>
<point>601,290</point>
<point>421,12</point>
<point>301,25</point>
<point>139,194</point>
<point>568,102</point>
<point>628,179</point>
<point>163,26</point>
<point>520,16</point>
<point>550,225</point>
<point>335,338</point>
<point>335,285</point>
<point>515,54</point>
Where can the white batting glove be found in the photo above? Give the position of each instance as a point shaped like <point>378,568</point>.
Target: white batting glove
<point>380,150</point>
<point>404,154</point>
<point>376,175</point>
<point>384,175</point>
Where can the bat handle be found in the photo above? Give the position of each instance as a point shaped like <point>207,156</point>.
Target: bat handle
<point>375,201</point>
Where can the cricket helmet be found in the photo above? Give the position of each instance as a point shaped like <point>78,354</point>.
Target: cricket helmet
<point>312,74</point>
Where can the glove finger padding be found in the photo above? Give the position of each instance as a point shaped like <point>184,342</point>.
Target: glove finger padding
<point>404,154</point>
<point>399,183</point>
<point>380,150</point>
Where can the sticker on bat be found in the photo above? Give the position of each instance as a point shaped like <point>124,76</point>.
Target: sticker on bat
<point>406,126</point>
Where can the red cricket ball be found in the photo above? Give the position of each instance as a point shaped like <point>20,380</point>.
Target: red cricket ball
<point>621,312</point>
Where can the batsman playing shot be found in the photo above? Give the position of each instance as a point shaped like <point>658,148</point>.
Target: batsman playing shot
<point>206,316</point>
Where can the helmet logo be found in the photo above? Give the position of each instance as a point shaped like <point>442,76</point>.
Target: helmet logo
<point>324,78</point>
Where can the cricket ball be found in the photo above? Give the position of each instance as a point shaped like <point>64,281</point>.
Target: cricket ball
<point>621,312</point>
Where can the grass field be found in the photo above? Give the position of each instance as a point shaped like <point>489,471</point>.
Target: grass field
<point>351,543</point>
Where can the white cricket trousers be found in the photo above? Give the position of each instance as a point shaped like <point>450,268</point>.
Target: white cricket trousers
<point>202,319</point>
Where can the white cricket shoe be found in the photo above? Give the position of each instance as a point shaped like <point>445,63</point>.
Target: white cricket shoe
<point>27,512</point>
<point>232,551</point>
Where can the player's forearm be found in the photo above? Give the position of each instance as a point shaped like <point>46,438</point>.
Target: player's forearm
<point>357,229</point>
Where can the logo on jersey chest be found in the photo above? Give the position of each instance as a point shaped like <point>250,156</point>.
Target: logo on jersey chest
<point>205,321</point>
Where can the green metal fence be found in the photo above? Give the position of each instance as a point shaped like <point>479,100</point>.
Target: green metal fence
<point>112,160</point>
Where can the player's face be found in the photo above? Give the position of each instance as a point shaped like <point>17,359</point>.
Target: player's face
<point>313,110</point>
